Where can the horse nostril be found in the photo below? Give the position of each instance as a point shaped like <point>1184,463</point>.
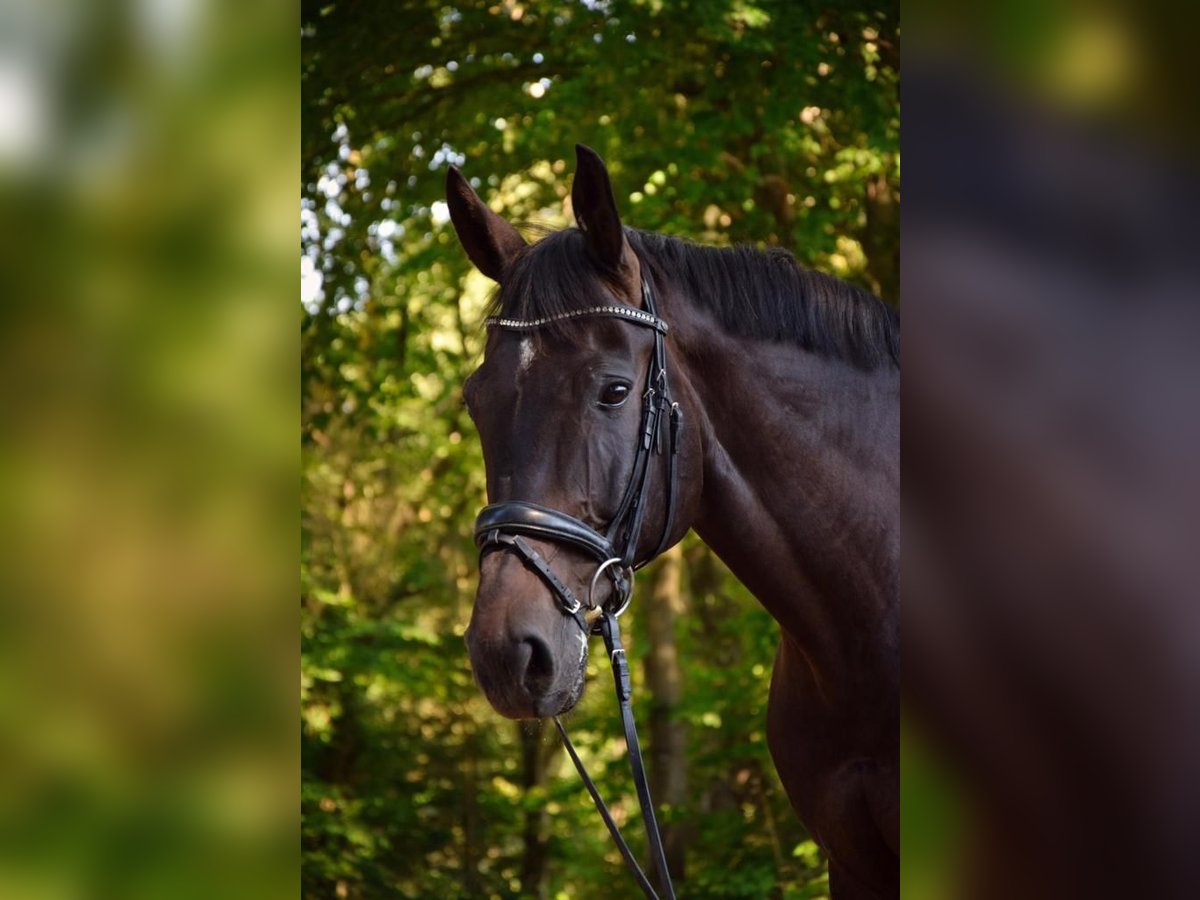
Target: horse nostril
<point>539,670</point>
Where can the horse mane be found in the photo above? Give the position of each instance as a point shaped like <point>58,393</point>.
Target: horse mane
<point>754,293</point>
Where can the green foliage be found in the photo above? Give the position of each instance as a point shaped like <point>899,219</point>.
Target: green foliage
<point>721,120</point>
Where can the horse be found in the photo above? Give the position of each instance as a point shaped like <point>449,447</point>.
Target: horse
<point>785,424</point>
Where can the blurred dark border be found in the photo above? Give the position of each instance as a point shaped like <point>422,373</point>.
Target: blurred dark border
<point>1049,263</point>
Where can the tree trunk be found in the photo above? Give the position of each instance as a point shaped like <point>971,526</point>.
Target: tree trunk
<point>668,736</point>
<point>535,759</point>
<point>471,821</point>
<point>881,238</point>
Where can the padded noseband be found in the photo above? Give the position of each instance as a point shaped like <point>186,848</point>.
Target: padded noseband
<point>522,517</point>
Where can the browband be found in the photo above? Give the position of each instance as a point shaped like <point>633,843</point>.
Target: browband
<point>629,313</point>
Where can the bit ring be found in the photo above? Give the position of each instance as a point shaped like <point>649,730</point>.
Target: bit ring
<point>596,577</point>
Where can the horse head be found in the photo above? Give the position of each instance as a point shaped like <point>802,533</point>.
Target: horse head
<point>573,410</point>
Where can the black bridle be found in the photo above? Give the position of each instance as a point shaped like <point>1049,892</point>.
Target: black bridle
<point>504,526</point>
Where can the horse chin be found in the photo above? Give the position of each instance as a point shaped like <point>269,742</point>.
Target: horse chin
<point>560,702</point>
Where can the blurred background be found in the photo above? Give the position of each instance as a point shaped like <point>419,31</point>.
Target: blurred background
<point>147,461</point>
<point>770,123</point>
<point>1051,613</point>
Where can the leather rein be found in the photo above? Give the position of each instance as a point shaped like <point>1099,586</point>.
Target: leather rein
<point>504,526</point>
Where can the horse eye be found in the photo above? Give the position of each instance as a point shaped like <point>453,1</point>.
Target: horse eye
<point>614,394</point>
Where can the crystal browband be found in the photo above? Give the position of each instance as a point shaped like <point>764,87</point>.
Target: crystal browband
<point>621,312</point>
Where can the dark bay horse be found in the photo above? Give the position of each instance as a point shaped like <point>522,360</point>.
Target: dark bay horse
<point>788,467</point>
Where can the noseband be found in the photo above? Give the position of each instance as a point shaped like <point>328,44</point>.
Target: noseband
<point>504,526</point>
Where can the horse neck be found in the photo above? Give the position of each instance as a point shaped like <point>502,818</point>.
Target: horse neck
<point>800,492</point>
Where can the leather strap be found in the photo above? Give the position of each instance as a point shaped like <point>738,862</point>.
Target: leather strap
<point>523,517</point>
<point>676,416</point>
<point>533,560</point>
<point>626,854</point>
<point>657,406</point>
<point>624,688</point>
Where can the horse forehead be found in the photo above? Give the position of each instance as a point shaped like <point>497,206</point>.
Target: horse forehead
<point>526,352</point>
<point>521,360</point>
<point>516,355</point>
<point>522,379</point>
<point>528,362</point>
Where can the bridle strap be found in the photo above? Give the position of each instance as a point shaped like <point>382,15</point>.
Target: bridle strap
<point>533,560</point>
<point>676,416</point>
<point>638,317</point>
<point>624,689</point>
<point>626,854</point>
<point>522,517</point>
<point>659,413</point>
<point>502,526</point>
<point>626,527</point>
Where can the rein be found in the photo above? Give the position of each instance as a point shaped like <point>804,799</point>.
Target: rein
<point>504,526</point>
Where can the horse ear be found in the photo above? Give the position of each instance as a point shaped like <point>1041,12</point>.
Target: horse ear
<point>595,209</point>
<point>490,240</point>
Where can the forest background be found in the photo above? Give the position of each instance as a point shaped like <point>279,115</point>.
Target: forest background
<point>723,121</point>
